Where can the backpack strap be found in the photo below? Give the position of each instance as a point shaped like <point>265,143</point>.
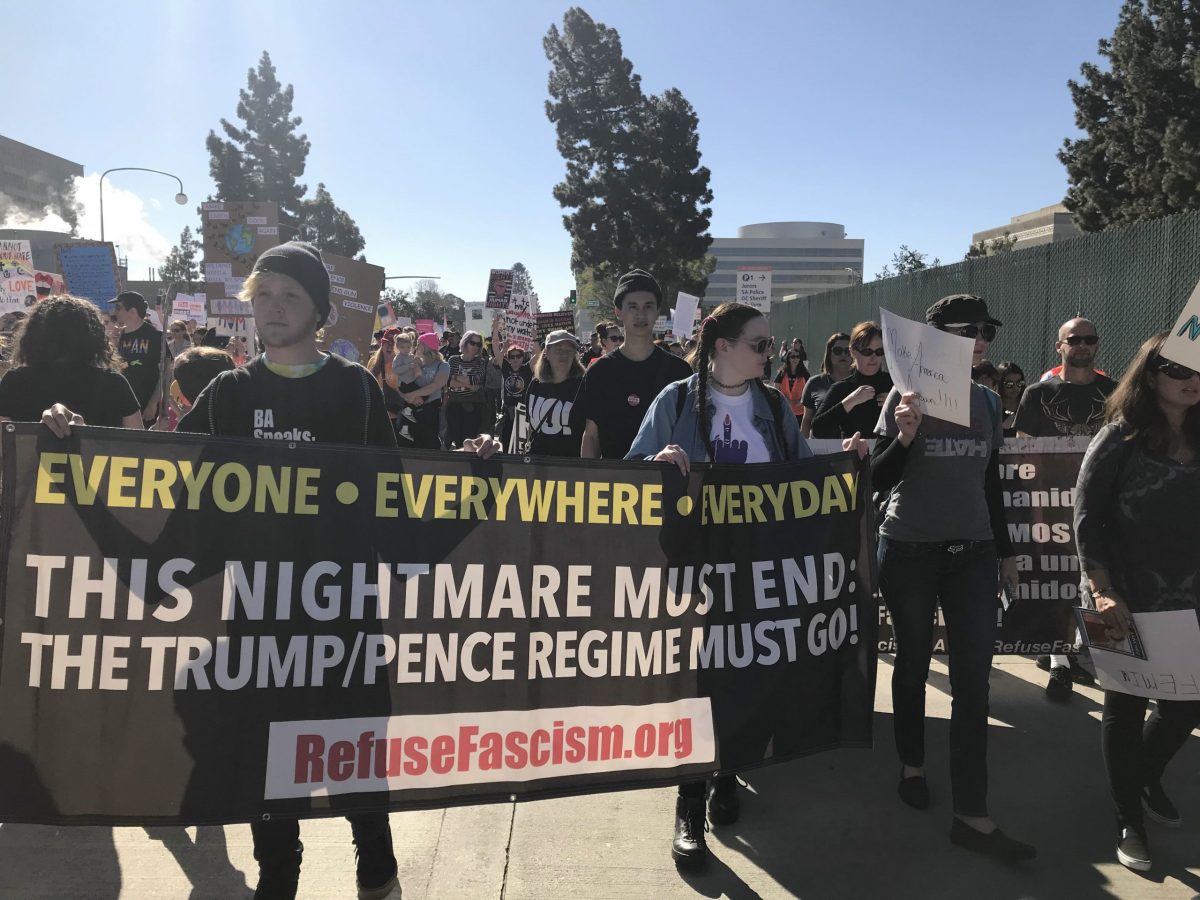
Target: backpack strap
<point>680,397</point>
<point>364,377</point>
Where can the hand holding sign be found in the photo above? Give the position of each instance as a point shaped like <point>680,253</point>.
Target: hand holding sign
<point>908,418</point>
<point>934,365</point>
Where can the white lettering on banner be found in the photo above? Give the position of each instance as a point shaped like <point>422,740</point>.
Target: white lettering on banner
<point>1183,343</point>
<point>361,307</point>
<point>935,365</point>
<point>360,755</point>
<point>343,292</point>
<point>1171,669</point>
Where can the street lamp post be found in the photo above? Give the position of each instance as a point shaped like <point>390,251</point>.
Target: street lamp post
<point>180,198</point>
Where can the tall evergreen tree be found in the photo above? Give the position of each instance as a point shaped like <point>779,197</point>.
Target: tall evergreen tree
<point>1140,157</point>
<point>265,158</point>
<point>180,266</point>
<point>328,226</point>
<point>634,185</point>
<point>522,282</point>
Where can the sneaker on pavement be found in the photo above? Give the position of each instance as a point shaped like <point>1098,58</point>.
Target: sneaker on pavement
<point>724,805</point>
<point>1059,687</point>
<point>1043,663</point>
<point>1079,674</point>
<point>994,843</point>
<point>1159,807</point>
<point>1132,850</point>
<point>689,847</point>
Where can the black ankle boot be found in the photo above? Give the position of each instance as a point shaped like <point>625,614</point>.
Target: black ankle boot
<point>689,846</point>
<point>724,805</point>
<point>279,874</point>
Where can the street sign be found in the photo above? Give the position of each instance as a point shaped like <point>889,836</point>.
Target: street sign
<point>754,287</point>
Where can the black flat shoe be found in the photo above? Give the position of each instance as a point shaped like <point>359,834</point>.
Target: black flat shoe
<point>913,790</point>
<point>995,843</point>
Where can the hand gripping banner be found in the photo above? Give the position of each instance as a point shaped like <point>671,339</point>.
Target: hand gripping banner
<point>204,631</point>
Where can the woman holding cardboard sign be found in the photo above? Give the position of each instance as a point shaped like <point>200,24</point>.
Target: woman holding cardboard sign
<point>1138,491</point>
<point>944,540</point>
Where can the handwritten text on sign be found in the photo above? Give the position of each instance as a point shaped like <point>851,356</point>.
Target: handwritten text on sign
<point>933,364</point>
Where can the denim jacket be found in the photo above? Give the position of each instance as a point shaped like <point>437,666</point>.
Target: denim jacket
<point>661,426</point>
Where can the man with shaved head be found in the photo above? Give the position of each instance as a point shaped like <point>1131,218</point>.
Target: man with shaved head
<point>1070,403</point>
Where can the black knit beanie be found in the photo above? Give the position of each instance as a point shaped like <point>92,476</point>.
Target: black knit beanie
<point>637,280</point>
<point>303,262</point>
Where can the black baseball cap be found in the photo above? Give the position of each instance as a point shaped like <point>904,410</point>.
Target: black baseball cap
<point>959,309</point>
<point>132,300</point>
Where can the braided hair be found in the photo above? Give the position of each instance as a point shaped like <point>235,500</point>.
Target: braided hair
<point>727,321</point>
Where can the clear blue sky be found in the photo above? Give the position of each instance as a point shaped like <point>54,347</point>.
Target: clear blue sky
<point>914,123</point>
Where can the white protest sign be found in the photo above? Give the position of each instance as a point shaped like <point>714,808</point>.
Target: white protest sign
<point>754,287</point>
<point>18,288</point>
<point>1183,343</point>
<point>1159,659</point>
<point>933,364</point>
<point>685,315</point>
<point>519,303</point>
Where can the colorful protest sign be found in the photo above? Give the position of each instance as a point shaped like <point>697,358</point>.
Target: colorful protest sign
<point>933,364</point>
<point>554,321</point>
<point>520,329</point>
<point>499,290</point>
<point>90,271</point>
<point>234,233</point>
<point>190,306</point>
<point>300,630</point>
<point>684,315</point>
<point>1183,343</point>
<point>51,281</point>
<point>754,287</point>
<point>1160,658</point>
<point>18,280</point>
<point>354,289</point>
<point>425,326</point>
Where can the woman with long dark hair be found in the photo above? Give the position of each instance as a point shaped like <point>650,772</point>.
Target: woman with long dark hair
<point>836,365</point>
<point>944,542</point>
<point>852,405</point>
<point>722,414</point>
<point>63,355</point>
<point>793,378</point>
<point>1135,519</point>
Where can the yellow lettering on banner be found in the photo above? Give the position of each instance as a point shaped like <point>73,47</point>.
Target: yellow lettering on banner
<point>834,496</point>
<point>598,503</point>
<point>194,482</point>
<point>444,497</point>
<point>47,478</point>
<point>535,501</point>
<point>851,479</point>
<point>776,493</point>
<point>415,500</point>
<point>85,490</point>
<point>221,487</point>
<point>806,500</point>
<point>276,487</point>
<point>503,493</point>
<point>474,492</point>
<point>624,504</point>
<point>385,493</point>
<point>119,480</point>
<point>753,500</point>
<point>306,491</point>
<point>651,505</point>
<point>158,475</point>
<point>572,499</point>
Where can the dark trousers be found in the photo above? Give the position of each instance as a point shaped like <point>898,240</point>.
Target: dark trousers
<point>1136,751</point>
<point>463,420</point>
<point>277,842</point>
<point>914,579</point>
<point>425,430</point>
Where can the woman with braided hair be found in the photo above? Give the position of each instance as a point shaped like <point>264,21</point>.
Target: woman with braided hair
<point>722,414</point>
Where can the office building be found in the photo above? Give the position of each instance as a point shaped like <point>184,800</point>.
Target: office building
<point>1047,225</point>
<point>32,179</point>
<point>805,258</point>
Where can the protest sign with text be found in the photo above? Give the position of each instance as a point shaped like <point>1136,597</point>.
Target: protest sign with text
<point>354,288</point>
<point>1160,657</point>
<point>499,290</point>
<point>933,364</point>
<point>200,630</point>
<point>1183,343</point>
<point>18,278</point>
<point>90,271</point>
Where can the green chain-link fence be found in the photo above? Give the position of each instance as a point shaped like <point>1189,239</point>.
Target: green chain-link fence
<point>1130,281</point>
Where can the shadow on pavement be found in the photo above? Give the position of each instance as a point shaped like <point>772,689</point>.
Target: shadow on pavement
<point>205,861</point>
<point>48,861</point>
<point>831,825</point>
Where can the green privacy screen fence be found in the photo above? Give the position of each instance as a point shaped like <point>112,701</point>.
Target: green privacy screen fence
<point>1130,281</point>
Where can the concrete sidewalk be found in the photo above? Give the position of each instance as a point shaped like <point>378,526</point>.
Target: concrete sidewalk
<point>829,826</point>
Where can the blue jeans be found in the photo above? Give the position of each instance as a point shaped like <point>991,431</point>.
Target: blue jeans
<point>962,576</point>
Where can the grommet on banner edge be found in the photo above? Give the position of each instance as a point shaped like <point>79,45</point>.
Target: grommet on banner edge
<point>266,817</point>
<point>526,459</point>
<point>10,427</point>
<point>291,445</point>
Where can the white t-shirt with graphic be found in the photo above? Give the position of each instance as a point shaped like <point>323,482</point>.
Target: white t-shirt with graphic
<point>734,437</point>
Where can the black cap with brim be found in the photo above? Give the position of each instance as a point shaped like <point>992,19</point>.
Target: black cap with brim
<point>959,309</point>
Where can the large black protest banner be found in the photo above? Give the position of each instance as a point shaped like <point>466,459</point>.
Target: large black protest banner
<point>216,631</point>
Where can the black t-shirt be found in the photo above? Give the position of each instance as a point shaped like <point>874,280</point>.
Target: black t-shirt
<point>815,390</point>
<point>101,396</point>
<point>516,383</point>
<point>832,420</point>
<point>340,403</point>
<point>1053,408</point>
<point>142,349</point>
<point>555,423</point>
<point>616,392</point>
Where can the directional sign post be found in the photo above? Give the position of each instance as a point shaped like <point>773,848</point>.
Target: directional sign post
<point>754,287</point>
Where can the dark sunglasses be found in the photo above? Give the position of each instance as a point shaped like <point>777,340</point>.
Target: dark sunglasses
<point>762,345</point>
<point>616,338</point>
<point>876,352</point>
<point>1076,339</point>
<point>1020,385</point>
<point>474,343</point>
<point>1172,370</point>
<point>840,351</point>
<point>987,330</point>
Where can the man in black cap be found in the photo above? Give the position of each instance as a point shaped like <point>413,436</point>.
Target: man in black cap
<point>141,348</point>
<point>618,388</point>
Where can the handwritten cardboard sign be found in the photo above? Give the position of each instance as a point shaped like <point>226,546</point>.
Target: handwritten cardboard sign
<point>1164,664</point>
<point>933,364</point>
<point>1183,343</point>
<point>353,301</point>
<point>684,319</point>
<point>18,278</point>
<point>90,271</point>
